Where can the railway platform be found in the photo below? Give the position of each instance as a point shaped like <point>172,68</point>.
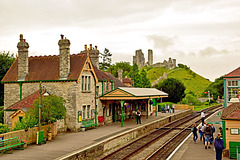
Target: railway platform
<point>196,151</point>
<point>66,143</point>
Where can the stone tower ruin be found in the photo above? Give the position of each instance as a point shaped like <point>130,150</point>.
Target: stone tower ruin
<point>139,58</point>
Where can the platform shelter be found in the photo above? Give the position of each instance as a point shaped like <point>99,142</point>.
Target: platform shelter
<point>122,102</point>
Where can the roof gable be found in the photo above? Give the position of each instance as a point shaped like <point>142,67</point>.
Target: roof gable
<point>26,102</point>
<point>127,93</point>
<point>234,73</point>
<point>232,111</point>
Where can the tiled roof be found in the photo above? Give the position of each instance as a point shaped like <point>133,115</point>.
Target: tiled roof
<point>26,102</point>
<point>234,73</point>
<point>117,83</point>
<point>127,80</point>
<point>101,75</point>
<point>232,111</point>
<point>138,92</point>
<point>46,68</point>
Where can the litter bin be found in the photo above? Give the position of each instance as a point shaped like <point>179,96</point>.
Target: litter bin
<point>82,128</point>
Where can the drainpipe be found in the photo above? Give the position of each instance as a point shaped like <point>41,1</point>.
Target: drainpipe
<point>102,87</point>
<point>20,83</point>
<point>225,93</point>
<point>95,104</point>
<point>224,133</point>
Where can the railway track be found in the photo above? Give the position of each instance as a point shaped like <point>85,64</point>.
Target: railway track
<point>165,150</point>
<point>142,143</point>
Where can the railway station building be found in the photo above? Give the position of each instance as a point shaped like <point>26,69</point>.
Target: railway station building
<point>91,95</point>
<point>231,113</point>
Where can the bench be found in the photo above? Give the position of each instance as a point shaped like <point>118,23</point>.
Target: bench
<point>88,123</point>
<point>10,144</point>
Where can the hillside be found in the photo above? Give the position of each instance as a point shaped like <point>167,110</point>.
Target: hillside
<point>191,80</point>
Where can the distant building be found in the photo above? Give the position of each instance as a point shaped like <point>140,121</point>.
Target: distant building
<point>231,113</point>
<point>140,60</point>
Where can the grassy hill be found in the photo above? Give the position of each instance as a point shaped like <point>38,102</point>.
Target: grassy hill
<point>192,81</point>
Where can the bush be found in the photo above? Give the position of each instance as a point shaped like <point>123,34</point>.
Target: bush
<point>25,123</point>
<point>4,128</point>
<point>190,99</point>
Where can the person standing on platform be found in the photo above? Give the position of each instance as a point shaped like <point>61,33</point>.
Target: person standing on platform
<point>208,136</point>
<point>202,117</point>
<point>200,131</point>
<point>219,146</point>
<point>173,108</point>
<point>194,130</point>
<point>138,114</point>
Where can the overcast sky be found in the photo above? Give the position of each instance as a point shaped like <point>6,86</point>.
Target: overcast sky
<point>203,34</point>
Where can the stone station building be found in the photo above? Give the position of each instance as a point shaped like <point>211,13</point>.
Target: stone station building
<point>75,77</point>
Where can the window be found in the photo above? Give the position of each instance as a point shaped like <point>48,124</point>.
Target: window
<point>234,131</point>
<point>97,91</point>
<point>89,80</point>
<point>233,83</point>
<point>20,118</point>
<point>88,111</point>
<point>106,86</point>
<point>85,83</point>
<point>84,111</point>
<point>82,83</point>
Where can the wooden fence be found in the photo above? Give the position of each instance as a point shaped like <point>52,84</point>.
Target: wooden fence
<point>30,136</point>
<point>184,106</point>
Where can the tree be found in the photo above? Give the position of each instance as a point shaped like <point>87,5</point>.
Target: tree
<point>53,109</point>
<point>106,60</point>
<point>174,88</point>
<point>144,81</point>
<point>215,88</point>
<point>190,99</point>
<point>135,76</point>
<point>125,66</point>
<point>6,60</point>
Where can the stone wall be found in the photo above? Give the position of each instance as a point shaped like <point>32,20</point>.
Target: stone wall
<point>70,91</point>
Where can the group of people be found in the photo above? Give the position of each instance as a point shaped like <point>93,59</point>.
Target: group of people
<point>168,109</point>
<point>206,132</point>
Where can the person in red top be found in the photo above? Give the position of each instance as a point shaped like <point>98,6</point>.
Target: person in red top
<point>138,114</point>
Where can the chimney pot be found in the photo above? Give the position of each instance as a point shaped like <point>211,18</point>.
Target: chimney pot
<point>62,36</point>
<point>90,46</point>
<point>21,37</point>
<point>96,47</point>
<point>85,46</point>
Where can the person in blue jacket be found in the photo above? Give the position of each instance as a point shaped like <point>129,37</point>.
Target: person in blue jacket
<point>219,146</point>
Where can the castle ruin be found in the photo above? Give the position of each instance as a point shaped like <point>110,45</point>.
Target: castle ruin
<point>140,60</point>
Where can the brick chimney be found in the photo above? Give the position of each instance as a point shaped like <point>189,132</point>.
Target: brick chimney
<point>93,54</point>
<point>120,71</point>
<point>22,58</point>
<point>64,54</point>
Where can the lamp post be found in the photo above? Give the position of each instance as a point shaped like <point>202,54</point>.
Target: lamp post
<point>40,105</point>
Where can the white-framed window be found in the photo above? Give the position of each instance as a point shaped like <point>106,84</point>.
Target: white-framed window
<point>88,111</point>
<point>234,131</point>
<point>89,83</point>
<point>82,83</point>
<point>84,112</point>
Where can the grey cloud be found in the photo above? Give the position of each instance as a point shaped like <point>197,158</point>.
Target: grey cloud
<point>210,51</point>
<point>161,42</point>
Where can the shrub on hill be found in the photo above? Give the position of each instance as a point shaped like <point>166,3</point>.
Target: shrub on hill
<point>174,88</point>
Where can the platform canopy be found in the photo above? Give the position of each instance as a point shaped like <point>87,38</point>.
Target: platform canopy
<point>129,93</point>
